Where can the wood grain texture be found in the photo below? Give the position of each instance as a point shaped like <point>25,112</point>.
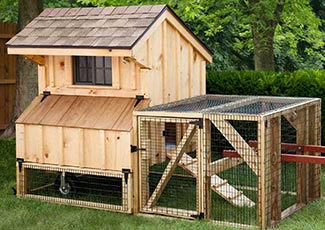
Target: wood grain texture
<point>7,75</point>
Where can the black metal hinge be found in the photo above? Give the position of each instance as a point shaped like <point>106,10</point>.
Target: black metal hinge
<point>126,174</point>
<point>20,163</point>
<point>198,122</point>
<point>136,149</point>
<point>139,99</point>
<point>45,95</point>
<point>199,216</point>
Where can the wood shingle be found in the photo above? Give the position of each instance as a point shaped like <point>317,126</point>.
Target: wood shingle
<point>100,27</point>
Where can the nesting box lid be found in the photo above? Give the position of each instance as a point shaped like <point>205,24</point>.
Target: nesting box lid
<point>105,113</point>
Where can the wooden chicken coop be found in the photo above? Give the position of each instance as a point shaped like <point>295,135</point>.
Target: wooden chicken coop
<point>122,123</point>
<point>76,142</point>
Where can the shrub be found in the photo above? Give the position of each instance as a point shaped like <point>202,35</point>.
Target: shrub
<point>302,83</point>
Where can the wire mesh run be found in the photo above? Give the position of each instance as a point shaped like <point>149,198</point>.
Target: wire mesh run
<point>238,176</point>
<point>107,191</point>
<point>234,183</point>
<point>168,167</point>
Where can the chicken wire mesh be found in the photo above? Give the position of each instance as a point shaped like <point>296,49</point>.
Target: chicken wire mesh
<point>107,191</point>
<point>168,167</point>
<point>230,104</point>
<point>233,181</point>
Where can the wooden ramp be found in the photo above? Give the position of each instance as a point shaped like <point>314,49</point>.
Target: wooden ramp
<point>218,185</point>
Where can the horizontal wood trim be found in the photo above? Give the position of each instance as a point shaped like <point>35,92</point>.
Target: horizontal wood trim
<point>94,92</point>
<point>167,114</point>
<point>7,81</point>
<point>88,171</point>
<point>69,51</point>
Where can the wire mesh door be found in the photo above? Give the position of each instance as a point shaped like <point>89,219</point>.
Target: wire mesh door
<point>233,171</point>
<point>169,167</point>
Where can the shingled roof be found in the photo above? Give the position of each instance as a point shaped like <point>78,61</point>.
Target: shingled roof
<point>100,27</point>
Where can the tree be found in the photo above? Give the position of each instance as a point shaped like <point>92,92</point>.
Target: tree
<point>26,86</point>
<point>246,34</point>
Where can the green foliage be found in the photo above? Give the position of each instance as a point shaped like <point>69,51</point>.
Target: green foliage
<point>9,8</point>
<point>295,84</point>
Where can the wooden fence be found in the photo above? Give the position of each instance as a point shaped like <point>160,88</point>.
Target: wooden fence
<point>7,75</point>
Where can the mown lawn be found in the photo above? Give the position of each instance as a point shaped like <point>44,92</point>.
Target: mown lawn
<point>16,213</point>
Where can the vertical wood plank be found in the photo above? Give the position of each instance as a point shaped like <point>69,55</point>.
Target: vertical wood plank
<point>41,144</point>
<point>207,161</point>
<point>20,141</point>
<point>41,79</point>
<point>275,171</point>
<point>60,146</point>
<point>261,212</point>
<point>190,70</point>
<point>135,167</point>
<point>203,78</point>
<point>133,82</point>
<point>68,70</point>
<point>102,153</point>
<point>116,72</point>
<point>164,60</point>
<point>314,139</point>
<point>178,62</point>
<point>81,148</point>
<point>200,175</point>
<point>51,71</point>
<point>301,168</point>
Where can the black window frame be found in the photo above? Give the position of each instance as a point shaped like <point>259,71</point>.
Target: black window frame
<point>90,70</point>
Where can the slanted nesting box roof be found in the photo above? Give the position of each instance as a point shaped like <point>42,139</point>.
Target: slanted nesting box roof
<point>100,27</point>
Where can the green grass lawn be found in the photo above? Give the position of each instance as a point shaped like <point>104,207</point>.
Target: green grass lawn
<point>16,213</point>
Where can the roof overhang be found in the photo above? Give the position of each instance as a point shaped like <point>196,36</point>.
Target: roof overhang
<point>69,51</point>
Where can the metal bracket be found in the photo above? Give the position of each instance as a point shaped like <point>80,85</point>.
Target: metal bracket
<point>62,180</point>
<point>199,216</point>
<point>126,174</point>
<point>139,99</point>
<point>198,122</point>
<point>20,163</point>
<point>45,95</point>
<point>136,149</point>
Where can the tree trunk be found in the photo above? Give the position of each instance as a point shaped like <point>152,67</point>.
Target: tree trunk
<point>26,86</point>
<point>263,49</point>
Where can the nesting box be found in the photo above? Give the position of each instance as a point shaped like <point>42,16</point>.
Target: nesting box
<point>77,141</point>
<point>221,158</point>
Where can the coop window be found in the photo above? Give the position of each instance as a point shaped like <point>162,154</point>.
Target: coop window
<point>92,70</point>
